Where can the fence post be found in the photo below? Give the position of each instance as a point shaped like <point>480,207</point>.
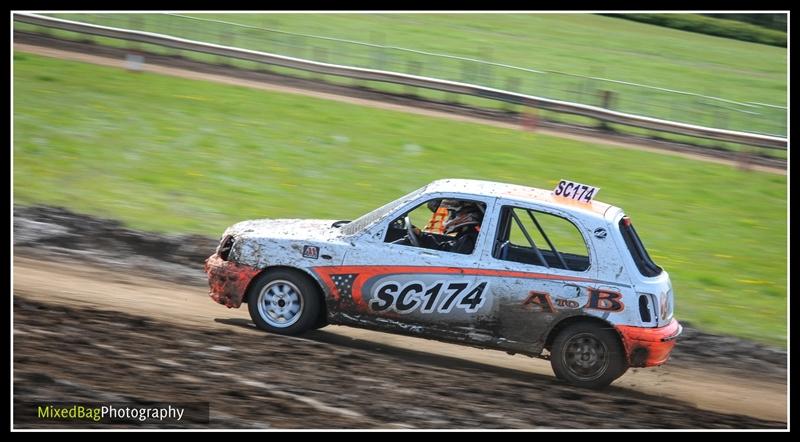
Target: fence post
<point>466,71</point>
<point>89,38</point>
<point>486,68</point>
<point>545,83</point>
<point>224,40</point>
<point>721,118</point>
<point>673,110</point>
<point>451,97</point>
<point>530,119</point>
<point>413,67</point>
<point>581,90</point>
<point>134,21</point>
<point>379,52</point>
<point>41,30</point>
<point>607,99</point>
<point>743,159</point>
<point>295,44</point>
<point>512,85</point>
<point>320,55</point>
<point>168,25</point>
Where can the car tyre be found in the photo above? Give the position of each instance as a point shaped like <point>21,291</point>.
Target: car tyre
<point>284,302</point>
<point>588,355</point>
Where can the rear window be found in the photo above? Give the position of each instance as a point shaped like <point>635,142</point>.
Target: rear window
<point>640,256</point>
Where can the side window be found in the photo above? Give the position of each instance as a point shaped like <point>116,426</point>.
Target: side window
<point>540,238</point>
<point>450,225</point>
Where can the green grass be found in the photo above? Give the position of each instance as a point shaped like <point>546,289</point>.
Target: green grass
<point>173,155</point>
<point>584,44</point>
<point>427,94</point>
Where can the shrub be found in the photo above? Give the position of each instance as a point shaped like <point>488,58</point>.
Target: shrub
<point>712,26</point>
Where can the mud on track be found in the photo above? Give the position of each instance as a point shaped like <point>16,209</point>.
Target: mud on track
<point>270,381</point>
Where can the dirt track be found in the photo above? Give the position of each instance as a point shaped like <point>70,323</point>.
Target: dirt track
<point>187,348</point>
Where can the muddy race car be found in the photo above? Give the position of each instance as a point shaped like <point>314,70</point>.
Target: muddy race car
<point>552,274</point>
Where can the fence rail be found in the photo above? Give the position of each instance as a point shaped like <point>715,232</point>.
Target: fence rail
<point>599,113</point>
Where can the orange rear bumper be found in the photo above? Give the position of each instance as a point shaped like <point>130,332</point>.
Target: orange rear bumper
<point>646,347</point>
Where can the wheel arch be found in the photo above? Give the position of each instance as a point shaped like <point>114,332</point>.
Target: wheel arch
<point>310,276</point>
<point>556,328</point>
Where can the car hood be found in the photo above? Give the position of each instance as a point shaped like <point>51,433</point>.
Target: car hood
<point>306,229</point>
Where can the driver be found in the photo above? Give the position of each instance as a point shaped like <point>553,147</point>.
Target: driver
<point>463,223</point>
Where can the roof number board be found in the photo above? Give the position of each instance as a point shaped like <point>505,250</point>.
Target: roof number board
<point>575,191</point>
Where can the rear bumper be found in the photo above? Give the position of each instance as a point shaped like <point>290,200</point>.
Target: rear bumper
<point>228,281</point>
<point>647,347</point>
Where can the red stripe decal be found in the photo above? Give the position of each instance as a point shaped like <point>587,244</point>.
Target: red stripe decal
<point>366,272</point>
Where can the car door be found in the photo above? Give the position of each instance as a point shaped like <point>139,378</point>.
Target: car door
<point>541,265</point>
<point>397,286</point>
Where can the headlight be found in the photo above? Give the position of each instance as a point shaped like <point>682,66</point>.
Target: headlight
<point>225,246</point>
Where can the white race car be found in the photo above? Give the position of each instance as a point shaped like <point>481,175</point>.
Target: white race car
<point>552,274</point>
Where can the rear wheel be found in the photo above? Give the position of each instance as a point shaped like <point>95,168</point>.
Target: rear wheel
<point>588,355</point>
<point>284,302</point>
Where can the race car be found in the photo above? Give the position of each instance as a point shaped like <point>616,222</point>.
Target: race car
<point>551,274</point>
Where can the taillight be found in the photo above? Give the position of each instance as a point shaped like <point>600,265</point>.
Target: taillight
<point>644,308</point>
<point>648,308</point>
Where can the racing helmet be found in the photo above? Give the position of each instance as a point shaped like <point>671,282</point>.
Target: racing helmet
<point>462,214</point>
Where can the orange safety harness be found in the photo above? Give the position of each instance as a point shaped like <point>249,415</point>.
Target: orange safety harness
<point>436,223</point>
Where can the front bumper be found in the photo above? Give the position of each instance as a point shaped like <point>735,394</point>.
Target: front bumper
<point>647,347</point>
<point>228,281</point>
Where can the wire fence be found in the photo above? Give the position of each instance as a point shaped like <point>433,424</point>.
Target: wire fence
<point>627,97</point>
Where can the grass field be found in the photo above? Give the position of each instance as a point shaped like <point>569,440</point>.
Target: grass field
<point>582,44</point>
<point>175,155</point>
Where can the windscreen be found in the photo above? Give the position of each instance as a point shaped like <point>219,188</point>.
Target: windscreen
<point>364,221</point>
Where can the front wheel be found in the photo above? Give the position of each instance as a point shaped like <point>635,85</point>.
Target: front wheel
<point>588,355</point>
<point>283,302</point>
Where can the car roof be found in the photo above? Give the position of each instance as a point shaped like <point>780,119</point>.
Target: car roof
<point>519,193</point>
